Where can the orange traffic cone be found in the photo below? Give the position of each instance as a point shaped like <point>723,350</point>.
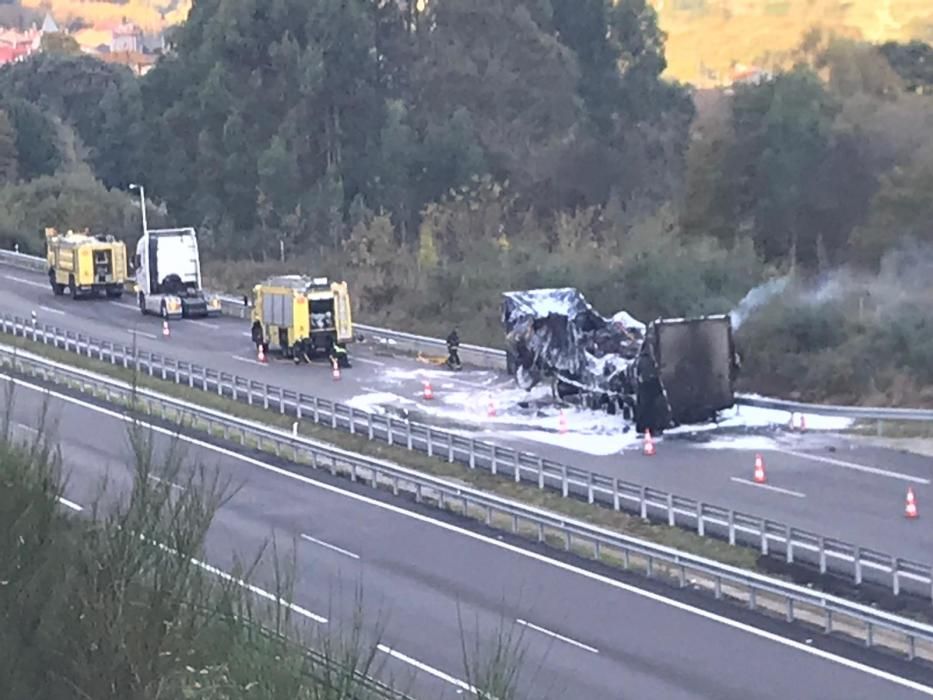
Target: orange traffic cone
<point>428,391</point>
<point>260,353</point>
<point>760,477</point>
<point>562,423</point>
<point>165,331</point>
<point>491,408</point>
<point>911,509</point>
<point>649,443</point>
<point>336,372</point>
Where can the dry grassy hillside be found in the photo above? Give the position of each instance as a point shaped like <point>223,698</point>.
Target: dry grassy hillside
<point>705,37</point>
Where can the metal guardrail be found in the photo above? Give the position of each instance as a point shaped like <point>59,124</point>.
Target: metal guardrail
<point>832,614</point>
<point>494,358</point>
<point>828,555</point>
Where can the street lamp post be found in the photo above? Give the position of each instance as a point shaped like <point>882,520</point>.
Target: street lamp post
<point>142,205</point>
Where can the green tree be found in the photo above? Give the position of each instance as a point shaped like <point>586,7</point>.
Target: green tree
<point>900,212</point>
<point>9,159</point>
<point>36,139</point>
<point>516,82</point>
<point>913,62</point>
<point>98,99</point>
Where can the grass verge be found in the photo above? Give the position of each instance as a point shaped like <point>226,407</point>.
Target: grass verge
<point>678,538</point>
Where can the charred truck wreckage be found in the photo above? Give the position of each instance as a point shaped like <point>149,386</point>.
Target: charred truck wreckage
<point>668,373</point>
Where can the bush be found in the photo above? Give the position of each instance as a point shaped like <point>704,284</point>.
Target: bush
<point>835,351</point>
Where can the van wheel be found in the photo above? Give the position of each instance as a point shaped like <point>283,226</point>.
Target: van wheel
<point>72,287</point>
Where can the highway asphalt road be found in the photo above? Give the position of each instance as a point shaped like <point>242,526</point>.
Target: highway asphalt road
<point>583,635</point>
<point>824,484</point>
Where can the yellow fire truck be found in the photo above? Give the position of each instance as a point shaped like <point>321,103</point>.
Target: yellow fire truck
<point>302,317</point>
<point>85,264</point>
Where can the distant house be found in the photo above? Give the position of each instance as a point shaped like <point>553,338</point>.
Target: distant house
<point>126,37</point>
<point>16,45</point>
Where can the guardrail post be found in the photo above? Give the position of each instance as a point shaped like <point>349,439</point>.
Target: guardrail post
<point>895,576</point>
<point>265,396</point>
<point>752,599</point>
<point>616,505</point>
<point>829,621</point>
<point>671,518</point>
<point>299,402</point>
<point>390,432</point>
<point>764,536</point>
<point>315,410</point>
<point>429,442</point>
<point>369,425</point>
<point>281,402</point>
<point>472,453</point>
<point>352,421</point>
<point>701,526</point>
<point>789,544</point>
<point>450,448</point>
<point>589,487</point>
<point>540,472</point>
<point>408,433</point>
<point>790,609</point>
<point>857,564</point>
<point>518,467</point>
<point>869,633</point>
<point>493,461</point>
<point>564,483</point>
<point>822,555</point>
<point>643,502</point>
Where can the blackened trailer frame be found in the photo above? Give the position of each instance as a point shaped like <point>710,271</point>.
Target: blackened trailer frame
<point>671,372</point>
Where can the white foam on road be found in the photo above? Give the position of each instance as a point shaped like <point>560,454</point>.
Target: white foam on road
<point>754,417</point>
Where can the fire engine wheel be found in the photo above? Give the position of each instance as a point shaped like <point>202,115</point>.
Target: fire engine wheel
<point>72,288</point>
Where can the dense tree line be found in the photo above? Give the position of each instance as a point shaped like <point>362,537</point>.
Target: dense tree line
<point>436,156</point>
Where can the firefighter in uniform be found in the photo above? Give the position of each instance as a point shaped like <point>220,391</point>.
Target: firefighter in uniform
<point>453,350</point>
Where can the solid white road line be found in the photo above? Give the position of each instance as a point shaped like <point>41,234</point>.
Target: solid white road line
<point>31,283</point>
<point>514,549</point>
<point>427,669</point>
<point>23,426</point>
<point>51,310</point>
<point>248,335</point>
<point>164,481</point>
<point>249,359</point>
<point>70,504</point>
<point>858,467</point>
<point>330,546</point>
<point>212,326</point>
<point>135,307</point>
<point>133,331</point>
<point>796,494</point>
<point>561,637</point>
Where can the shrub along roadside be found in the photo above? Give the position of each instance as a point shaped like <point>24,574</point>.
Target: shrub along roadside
<point>90,607</point>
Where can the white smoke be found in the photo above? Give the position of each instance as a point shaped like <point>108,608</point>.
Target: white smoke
<point>756,297</point>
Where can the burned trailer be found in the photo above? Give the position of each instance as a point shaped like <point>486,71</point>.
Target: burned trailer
<point>667,373</point>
